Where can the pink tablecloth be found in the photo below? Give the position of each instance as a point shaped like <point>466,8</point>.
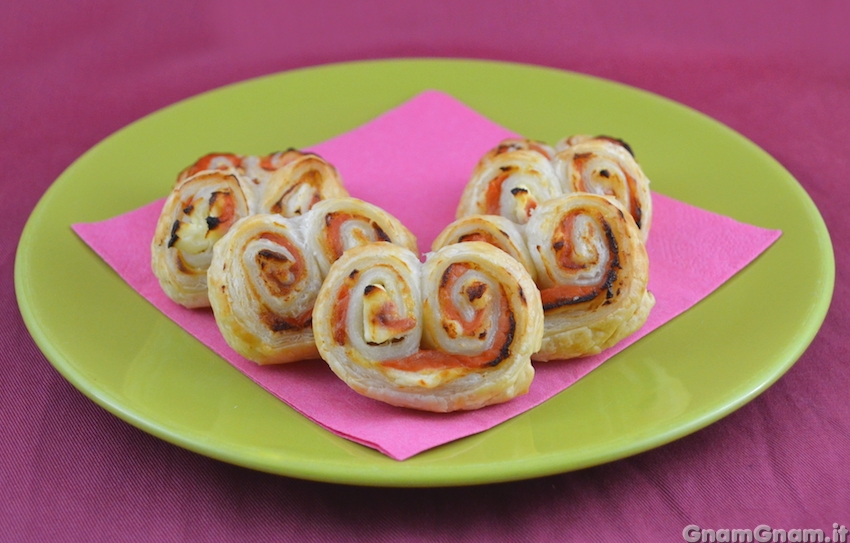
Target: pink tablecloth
<point>777,72</point>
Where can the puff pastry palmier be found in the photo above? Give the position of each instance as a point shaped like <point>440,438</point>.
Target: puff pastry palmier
<point>454,333</point>
<point>302,182</point>
<point>493,229</point>
<point>263,282</point>
<point>510,183</point>
<point>255,171</point>
<point>197,213</point>
<point>592,271</point>
<point>604,165</point>
<point>338,224</point>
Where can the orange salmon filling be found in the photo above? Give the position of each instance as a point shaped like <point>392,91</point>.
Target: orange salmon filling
<point>493,196</point>
<point>340,314</point>
<point>480,236</point>
<point>279,273</point>
<point>224,206</point>
<point>275,266</point>
<point>276,323</point>
<point>434,359</point>
<point>311,178</point>
<point>279,160</point>
<point>205,161</point>
<point>634,204</point>
<point>221,216</point>
<point>389,318</point>
<point>428,358</point>
<point>447,306</point>
<point>494,192</point>
<point>562,295</point>
<point>333,234</point>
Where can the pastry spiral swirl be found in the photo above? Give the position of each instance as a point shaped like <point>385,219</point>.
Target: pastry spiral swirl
<point>592,271</point>
<point>300,184</point>
<point>510,183</point>
<point>338,224</point>
<point>254,171</point>
<point>454,333</point>
<point>493,229</point>
<point>197,213</point>
<point>604,165</point>
<point>263,282</point>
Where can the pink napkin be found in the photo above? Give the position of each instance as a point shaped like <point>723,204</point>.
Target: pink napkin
<point>414,161</point>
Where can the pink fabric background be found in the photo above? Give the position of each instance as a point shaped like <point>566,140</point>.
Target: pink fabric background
<point>73,73</point>
<point>455,136</point>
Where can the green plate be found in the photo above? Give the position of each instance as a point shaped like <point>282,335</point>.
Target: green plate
<point>126,356</point>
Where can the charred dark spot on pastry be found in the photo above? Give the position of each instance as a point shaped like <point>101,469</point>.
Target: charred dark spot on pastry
<point>213,222</point>
<point>504,233</point>
<point>555,304</point>
<point>444,280</point>
<point>449,330</point>
<point>638,214</point>
<point>182,265</point>
<point>379,232</point>
<point>608,283</point>
<point>619,142</point>
<point>353,274</point>
<point>605,173</point>
<point>213,197</point>
<point>519,190</point>
<point>223,288</point>
<point>558,245</point>
<point>280,325</point>
<point>506,147</point>
<point>329,218</point>
<point>611,277</point>
<point>522,296</point>
<point>173,239</point>
<point>612,245</point>
<point>276,323</point>
<point>188,209</point>
<point>505,351</point>
<point>268,254</point>
<point>476,291</point>
<point>369,290</point>
<point>482,335</point>
<point>387,342</point>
